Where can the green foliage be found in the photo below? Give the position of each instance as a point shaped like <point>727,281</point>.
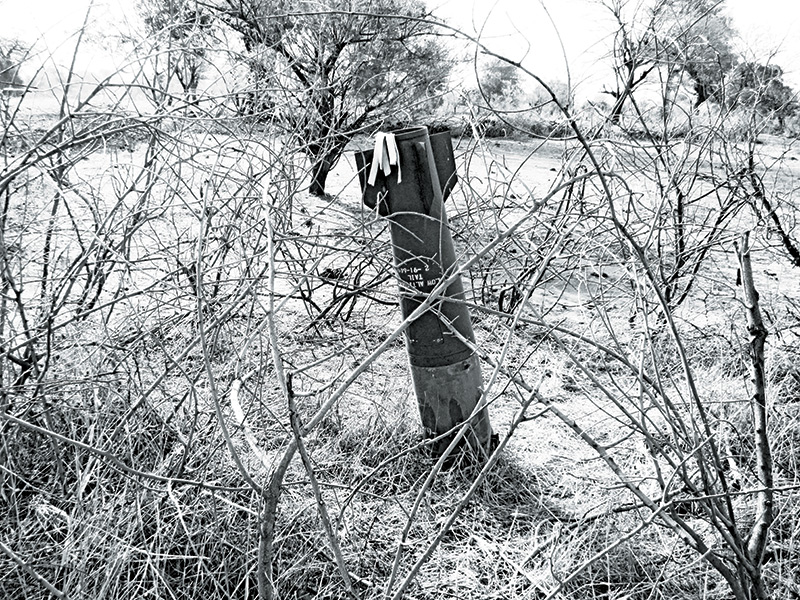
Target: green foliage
<point>680,46</point>
<point>180,19</point>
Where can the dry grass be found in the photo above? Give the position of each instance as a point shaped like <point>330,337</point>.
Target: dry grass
<point>87,527</point>
<point>118,479</point>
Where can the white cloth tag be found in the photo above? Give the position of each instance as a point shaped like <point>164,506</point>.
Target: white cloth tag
<point>384,156</point>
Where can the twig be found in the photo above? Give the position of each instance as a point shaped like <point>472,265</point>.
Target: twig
<point>312,478</point>
<point>30,571</point>
<point>758,334</point>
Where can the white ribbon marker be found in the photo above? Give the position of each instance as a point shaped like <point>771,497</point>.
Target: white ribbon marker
<point>384,156</point>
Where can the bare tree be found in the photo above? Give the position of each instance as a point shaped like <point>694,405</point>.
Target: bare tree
<point>330,70</point>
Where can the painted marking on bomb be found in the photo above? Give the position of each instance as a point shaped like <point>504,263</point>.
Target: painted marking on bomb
<point>420,276</point>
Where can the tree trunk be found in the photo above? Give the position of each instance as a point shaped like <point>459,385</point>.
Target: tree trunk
<point>701,93</point>
<point>319,175</point>
<point>757,543</point>
<point>761,194</point>
<point>616,111</point>
<point>323,159</point>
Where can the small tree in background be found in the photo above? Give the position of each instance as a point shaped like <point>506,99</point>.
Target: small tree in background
<point>761,87</point>
<point>9,65</point>
<point>498,82</point>
<point>182,31</point>
<point>679,38</point>
<point>11,84</point>
<point>325,71</point>
<point>541,101</point>
<point>698,43</point>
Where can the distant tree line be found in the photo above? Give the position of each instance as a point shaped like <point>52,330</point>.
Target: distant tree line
<point>691,44</point>
<point>688,46</point>
<point>322,72</point>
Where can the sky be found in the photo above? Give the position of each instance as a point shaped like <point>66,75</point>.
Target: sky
<point>529,30</point>
<point>535,30</point>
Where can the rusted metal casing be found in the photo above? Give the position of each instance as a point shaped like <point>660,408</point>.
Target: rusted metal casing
<point>445,371</point>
